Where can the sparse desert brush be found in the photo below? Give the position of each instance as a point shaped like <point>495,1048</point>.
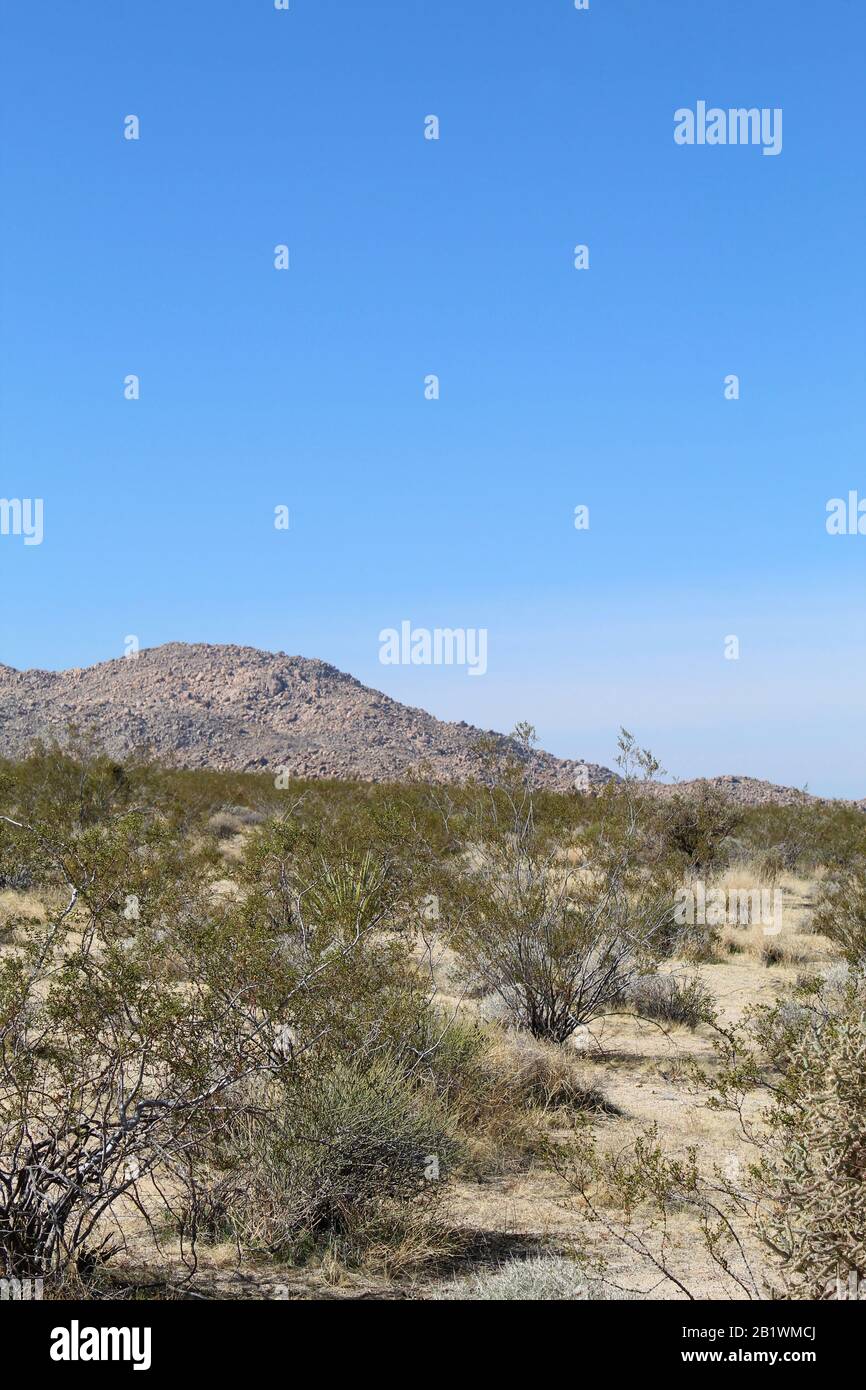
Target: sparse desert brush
<point>771,925</point>
<point>803,839</point>
<point>789,1222</point>
<point>135,1018</point>
<point>255,1033</point>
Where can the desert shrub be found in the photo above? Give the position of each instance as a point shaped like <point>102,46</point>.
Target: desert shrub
<point>142,1015</point>
<point>18,879</point>
<point>631,1193</point>
<point>557,948</point>
<point>696,826</point>
<point>834,983</point>
<point>338,918</point>
<point>840,912</point>
<point>107,1069</point>
<point>812,1170</point>
<point>72,784</point>
<point>681,999</point>
<point>814,1001</point>
<point>804,838</point>
<point>334,1155</point>
<point>467,1063</point>
<point>558,944</point>
<point>452,1053</point>
<point>698,943</point>
<point>538,1278</point>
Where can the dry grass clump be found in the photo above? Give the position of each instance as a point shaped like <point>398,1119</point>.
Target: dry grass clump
<point>225,825</point>
<point>788,949</point>
<point>789,940</point>
<point>675,999</point>
<point>533,1072</point>
<point>539,1278</point>
<point>774,951</point>
<point>18,910</point>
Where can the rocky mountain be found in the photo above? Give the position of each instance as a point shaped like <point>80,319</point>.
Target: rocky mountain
<point>745,791</point>
<point>226,707</point>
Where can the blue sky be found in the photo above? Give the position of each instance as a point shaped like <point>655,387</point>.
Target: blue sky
<point>559,387</point>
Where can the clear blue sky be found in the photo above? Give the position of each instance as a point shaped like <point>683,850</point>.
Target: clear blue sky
<point>558,387</point>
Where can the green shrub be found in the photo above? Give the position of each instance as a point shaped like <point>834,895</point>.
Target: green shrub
<point>696,826</point>
<point>338,1148</point>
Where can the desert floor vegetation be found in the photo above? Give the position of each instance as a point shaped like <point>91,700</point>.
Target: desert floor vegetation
<point>342,1040</point>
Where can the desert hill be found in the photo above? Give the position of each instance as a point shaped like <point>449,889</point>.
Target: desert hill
<point>227,707</point>
<point>239,708</point>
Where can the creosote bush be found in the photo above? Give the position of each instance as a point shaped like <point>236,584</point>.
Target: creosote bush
<point>811,1174</point>
<point>558,944</point>
<point>145,1016</point>
<point>256,1043</point>
<point>696,826</point>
